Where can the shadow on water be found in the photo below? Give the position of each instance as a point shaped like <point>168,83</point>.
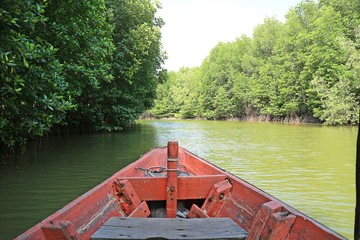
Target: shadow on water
<point>57,169</point>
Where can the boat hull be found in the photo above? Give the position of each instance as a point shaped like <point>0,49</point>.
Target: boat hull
<point>205,190</point>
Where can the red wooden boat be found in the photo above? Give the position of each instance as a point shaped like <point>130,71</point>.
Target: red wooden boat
<point>170,193</point>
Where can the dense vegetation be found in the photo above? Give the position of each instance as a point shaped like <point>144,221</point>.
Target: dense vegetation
<point>306,69</point>
<point>76,65</point>
<point>95,66</point>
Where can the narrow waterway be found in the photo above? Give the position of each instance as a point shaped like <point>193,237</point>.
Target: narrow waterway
<point>310,167</point>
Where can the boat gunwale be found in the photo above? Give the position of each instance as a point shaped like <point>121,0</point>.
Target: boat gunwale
<point>269,196</point>
<point>119,174</point>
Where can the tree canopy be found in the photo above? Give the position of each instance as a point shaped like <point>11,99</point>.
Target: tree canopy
<point>76,65</point>
<point>306,69</point>
<point>96,66</point>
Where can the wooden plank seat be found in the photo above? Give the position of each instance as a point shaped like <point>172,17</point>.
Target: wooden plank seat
<point>169,228</point>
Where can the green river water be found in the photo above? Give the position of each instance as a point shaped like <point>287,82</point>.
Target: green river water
<point>310,167</point>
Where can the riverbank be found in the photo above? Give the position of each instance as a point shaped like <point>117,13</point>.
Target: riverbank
<point>247,118</point>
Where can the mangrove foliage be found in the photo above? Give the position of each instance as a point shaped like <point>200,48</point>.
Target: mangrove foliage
<point>76,65</point>
<point>306,69</point>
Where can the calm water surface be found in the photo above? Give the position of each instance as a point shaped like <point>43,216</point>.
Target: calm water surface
<point>310,167</point>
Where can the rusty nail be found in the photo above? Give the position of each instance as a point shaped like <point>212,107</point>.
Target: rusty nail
<point>172,188</point>
<point>221,196</point>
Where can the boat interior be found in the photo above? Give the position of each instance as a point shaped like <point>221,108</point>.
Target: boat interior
<point>170,193</point>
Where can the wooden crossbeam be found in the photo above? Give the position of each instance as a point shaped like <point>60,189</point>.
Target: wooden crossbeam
<point>189,187</point>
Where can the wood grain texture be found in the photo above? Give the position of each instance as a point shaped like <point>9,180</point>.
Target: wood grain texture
<point>174,228</point>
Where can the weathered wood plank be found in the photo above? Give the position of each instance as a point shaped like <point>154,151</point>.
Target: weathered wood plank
<point>174,228</point>
<point>196,212</point>
<point>215,198</point>
<point>262,217</point>
<point>59,230</point>
<point>279,225</point>
<point>142,211</point>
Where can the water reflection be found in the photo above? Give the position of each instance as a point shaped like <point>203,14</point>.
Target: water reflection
<point>47,177</point>
<point>307,166</point>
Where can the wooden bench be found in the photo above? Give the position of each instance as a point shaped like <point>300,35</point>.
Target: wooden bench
<point>169,228</point>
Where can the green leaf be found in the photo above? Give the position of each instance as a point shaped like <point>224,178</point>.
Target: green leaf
<point>14,20</point>
<point>11,64</point>
<point>26,63</point>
